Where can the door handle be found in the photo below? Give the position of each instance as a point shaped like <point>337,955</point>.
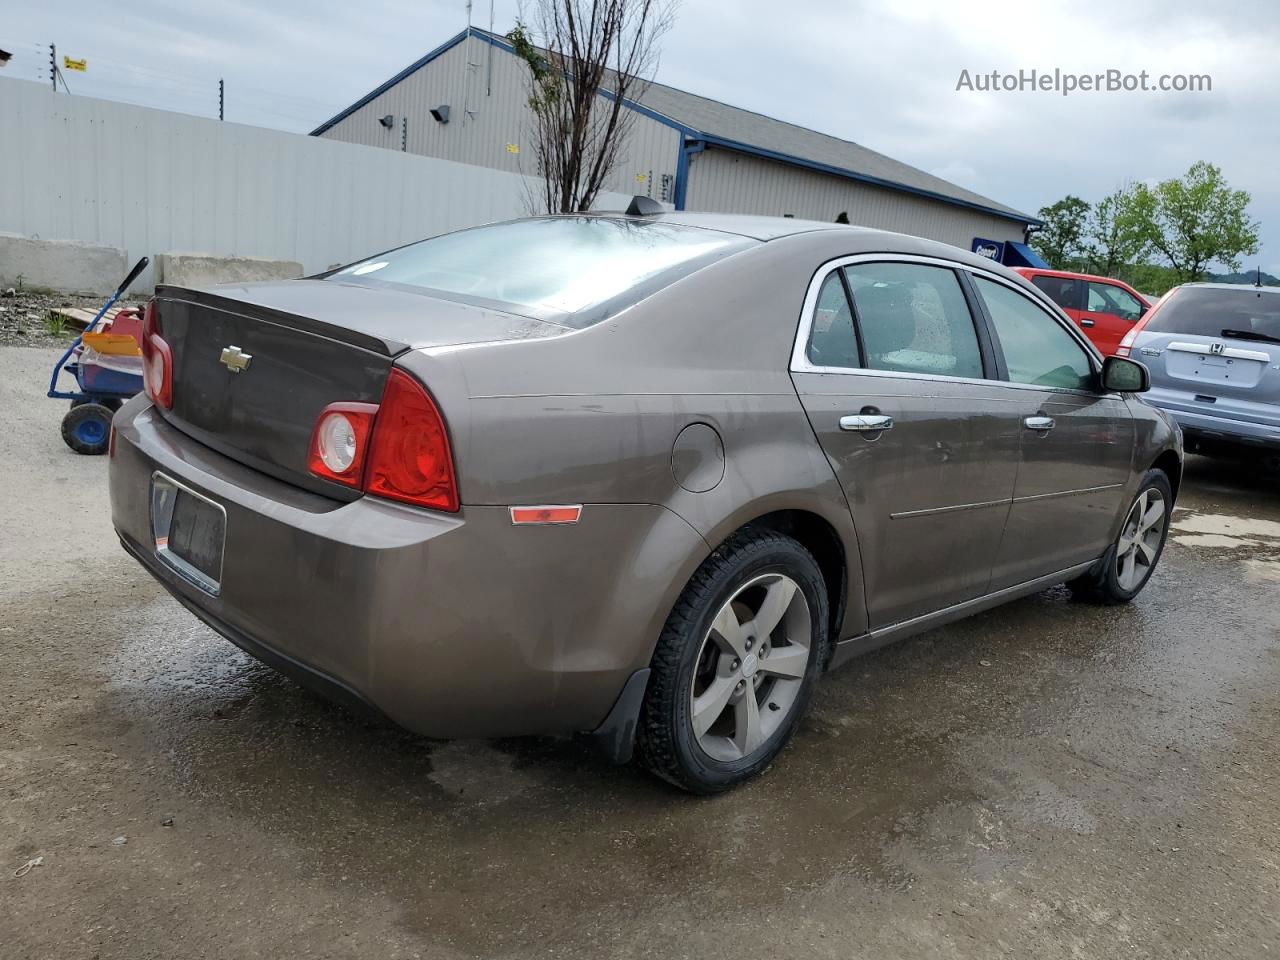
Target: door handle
<point>1038,423</point>
<point>866,423</point>
<point>1086,322</point>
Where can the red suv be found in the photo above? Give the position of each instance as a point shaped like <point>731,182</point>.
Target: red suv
<point>1105,309</point>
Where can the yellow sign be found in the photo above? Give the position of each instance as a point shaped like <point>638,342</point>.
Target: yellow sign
<point>81,64</point>
<point>513,148</point>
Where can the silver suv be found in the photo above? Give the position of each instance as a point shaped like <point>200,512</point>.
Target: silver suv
<point>1214,354</point>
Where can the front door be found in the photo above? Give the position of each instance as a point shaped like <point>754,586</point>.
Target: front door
<point>924,445</point>
<point>1076,448</point>
<point>1110,312</point>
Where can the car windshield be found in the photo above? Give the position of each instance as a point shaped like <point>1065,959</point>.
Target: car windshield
<point>1208,311</point>
<point>558,268</point>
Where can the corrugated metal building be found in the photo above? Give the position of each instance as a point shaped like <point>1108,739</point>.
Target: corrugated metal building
<point>467,101</point>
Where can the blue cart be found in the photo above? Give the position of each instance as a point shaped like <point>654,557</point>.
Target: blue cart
<point>106,362</point>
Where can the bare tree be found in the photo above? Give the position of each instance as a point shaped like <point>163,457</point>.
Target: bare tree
<point>594,55</point>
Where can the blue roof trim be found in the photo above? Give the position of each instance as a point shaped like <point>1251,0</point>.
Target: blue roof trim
<point>644,111</point>
<point>864,177</point>
<point>686,131</point>
<point>412,68</point>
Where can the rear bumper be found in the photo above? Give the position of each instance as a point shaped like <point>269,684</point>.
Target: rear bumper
<point>1200,423</point>
<point>452,625</point>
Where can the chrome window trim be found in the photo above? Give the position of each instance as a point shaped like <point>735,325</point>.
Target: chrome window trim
<point>800,362</point>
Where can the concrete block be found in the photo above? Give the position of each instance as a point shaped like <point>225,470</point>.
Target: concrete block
<point>201,270</point>
<point>67,266</point>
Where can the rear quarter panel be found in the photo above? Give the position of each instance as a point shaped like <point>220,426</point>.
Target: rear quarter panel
<point>592,416</point>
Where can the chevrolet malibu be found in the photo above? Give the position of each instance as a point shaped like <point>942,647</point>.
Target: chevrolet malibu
<point>642,476</point>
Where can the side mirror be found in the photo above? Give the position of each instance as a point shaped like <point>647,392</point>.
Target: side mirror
<point>1122,375</point>
<point>1143,309</point>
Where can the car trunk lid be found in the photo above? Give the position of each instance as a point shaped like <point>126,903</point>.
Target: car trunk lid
<point>1217,364</point>
<point>254,365</point>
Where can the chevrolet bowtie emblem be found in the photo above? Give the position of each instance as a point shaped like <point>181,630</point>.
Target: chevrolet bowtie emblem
<point>235,359</point>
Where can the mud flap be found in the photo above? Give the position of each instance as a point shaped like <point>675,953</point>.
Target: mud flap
<point>615,738</point>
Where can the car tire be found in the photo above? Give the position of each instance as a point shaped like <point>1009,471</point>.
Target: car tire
<point>1133,558</point>
<point>717,646</point>
<point>87,428</point>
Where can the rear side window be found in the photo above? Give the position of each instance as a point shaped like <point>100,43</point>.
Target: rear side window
<point>914,319</point>
<point>1037,350</point>
<point>1064,291</point>
<point>557,268</point>
<point>832,342</point>
<point>1248,313</point>
<point>1108,298</point>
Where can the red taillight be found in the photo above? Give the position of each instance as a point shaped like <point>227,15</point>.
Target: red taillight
<point>340,442</point>
<point>399,449</point>
<point>1126,344</point>
<point>157,360</point>
<point>409,458</point>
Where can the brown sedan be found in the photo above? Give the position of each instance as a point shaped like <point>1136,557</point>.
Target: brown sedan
<point>643,476</point>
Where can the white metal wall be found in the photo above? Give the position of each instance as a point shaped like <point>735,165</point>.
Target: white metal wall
<point>150,181</point>
<point>486,89</point>
<point>724,181</point>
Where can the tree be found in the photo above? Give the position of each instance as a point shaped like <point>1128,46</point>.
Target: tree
<point>595,55</point>
<point>1061,240</point>
<point>1117,230</point>
<point>1197,219</point>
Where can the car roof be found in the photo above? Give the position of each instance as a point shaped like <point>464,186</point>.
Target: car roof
<point>1230,286</point>
<point>1042,272</point>
<point>745,225</point>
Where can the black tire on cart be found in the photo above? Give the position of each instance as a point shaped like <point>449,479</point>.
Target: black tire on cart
<point>87,428</point>
<point>111,403</point>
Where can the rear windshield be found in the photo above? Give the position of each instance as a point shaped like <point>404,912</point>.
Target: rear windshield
<point>571,270</point>
<point>1209,312</point>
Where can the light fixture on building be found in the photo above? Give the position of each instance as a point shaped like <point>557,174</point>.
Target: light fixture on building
<point>388,121</point>
<point>441,113</point>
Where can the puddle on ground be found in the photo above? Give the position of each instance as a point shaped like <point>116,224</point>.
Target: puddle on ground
<point>1262,571</point>
<point>1223,531</point>
<point>1213,540</point>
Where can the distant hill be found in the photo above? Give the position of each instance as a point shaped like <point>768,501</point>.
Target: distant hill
<point>1249,276</point>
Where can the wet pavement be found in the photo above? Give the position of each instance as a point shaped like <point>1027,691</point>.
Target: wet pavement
<point>1048,779</point>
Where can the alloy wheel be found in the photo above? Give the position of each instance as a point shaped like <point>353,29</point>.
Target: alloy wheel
<point>1140,538</point>
<point>751,667</point>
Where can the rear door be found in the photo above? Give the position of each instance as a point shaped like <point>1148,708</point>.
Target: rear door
<point>900,394</point>
<point>1076,452</point>
<point>1110,312</point>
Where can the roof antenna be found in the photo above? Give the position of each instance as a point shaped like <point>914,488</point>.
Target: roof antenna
<point>642,206</point>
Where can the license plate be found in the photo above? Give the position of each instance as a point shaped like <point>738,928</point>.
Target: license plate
<point>189,530</point>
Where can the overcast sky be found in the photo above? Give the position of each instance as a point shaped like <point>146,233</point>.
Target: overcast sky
<point>882,74</point>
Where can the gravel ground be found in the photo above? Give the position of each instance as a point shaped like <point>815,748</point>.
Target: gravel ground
<point>1045,780</point>
<point>24,317</point>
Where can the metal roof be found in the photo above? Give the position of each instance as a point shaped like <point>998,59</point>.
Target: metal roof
<point>734,127</point>
<point>718,124</point>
